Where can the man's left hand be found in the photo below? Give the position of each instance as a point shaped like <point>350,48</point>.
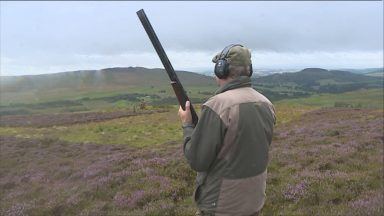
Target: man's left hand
<point>185,115</point>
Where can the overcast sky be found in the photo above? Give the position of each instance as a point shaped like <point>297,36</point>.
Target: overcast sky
<point>48,37</point>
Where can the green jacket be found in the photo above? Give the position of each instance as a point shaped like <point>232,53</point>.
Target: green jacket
<point>229,149</point>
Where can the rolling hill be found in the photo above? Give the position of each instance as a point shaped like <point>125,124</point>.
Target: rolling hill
<point>108,78</point>
<point>109,82</point>
<point>313,80</point>
<point>312,77</point>
<point>117,85</point>
<point>366,71</point>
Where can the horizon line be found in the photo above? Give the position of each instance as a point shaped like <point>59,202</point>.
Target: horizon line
<point>288,69</point>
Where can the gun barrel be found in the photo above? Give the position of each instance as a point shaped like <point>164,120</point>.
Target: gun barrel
<point>156,44</point>
<point>177,87</point>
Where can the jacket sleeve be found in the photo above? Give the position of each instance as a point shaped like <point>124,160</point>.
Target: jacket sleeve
<point>202,143</point>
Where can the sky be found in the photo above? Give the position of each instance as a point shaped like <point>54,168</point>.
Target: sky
<point>50,37</point>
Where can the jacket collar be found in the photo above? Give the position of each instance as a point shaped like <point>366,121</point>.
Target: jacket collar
<point>240,82</point>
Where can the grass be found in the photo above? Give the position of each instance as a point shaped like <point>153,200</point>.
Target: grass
<point>371,98</point>
<point>37,96</point>
<point>287,112</point>
<point>92,101</point>
<point>135,131</point>
<point>138,131</point>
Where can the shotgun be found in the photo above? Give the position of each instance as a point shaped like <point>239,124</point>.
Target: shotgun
<point>175,82</point>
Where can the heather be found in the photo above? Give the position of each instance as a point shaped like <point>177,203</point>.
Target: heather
<point>323,161</point>
<point>52,177</point>
<point>327,162</point>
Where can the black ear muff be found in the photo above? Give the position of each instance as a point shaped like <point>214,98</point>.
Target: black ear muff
<point>221,69</point>
<point>222,66</point>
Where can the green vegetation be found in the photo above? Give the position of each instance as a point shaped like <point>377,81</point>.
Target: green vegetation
<point>312,81</point>
<point>376,74</point>
<point>137,131</point>
<point>93,84</point>
<point>365,98</point>
<point>368,71</point>
<point>124,88</point>
<point>157,96</point>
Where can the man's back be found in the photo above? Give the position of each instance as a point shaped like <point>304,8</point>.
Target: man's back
<point>229,148</point>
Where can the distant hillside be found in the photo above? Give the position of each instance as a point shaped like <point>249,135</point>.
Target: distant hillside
<point>365,71</point>
<point>85,90</point>
<point>99,79</point>
<point>375,73</point>
<point>313,80</point>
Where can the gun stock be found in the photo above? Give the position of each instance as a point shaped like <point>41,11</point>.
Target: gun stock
<point>181,95</point>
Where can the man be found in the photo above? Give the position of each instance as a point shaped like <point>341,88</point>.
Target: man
<point>229,145</point>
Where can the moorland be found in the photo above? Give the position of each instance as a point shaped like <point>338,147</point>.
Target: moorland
<point>109,142</point>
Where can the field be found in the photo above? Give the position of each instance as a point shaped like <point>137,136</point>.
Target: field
<point>364,98</point>
<point>42,103</point>
<point>326,159</point>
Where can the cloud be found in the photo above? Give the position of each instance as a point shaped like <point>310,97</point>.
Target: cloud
<point>197,61</point>
<point>330,60</point>
<point>43,37</point>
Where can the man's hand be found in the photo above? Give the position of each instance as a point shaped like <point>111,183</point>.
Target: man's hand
<point>185,115</point>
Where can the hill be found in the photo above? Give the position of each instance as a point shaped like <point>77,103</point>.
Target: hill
<point>103,83</point>
<point>99,90</point>
<point>313,80</point>
<point>376,73</point>
<point>105,78</point>
<point>366,71</point>
<point>315,77</point>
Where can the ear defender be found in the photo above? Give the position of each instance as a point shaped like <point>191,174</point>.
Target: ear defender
<point>222,66</point>
<point>221,69</point>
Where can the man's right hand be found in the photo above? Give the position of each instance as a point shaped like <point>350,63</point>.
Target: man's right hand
<point>185,115</point>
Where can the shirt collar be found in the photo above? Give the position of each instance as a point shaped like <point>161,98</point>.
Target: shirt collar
<point>239,82</point>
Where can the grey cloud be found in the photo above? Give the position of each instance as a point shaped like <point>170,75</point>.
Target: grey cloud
<point>114,28</point>
<point>54,32</point>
